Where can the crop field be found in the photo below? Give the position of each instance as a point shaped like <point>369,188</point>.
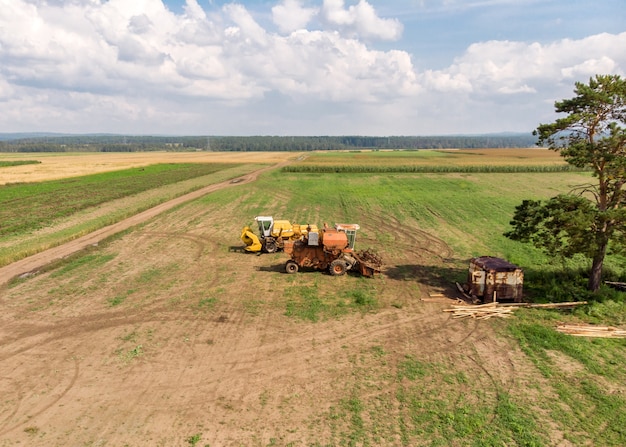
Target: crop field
<point>443,157</point>
<point>169,334</point>
<point>37,167</point>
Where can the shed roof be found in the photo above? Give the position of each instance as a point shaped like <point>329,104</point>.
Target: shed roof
<point>491,263</point>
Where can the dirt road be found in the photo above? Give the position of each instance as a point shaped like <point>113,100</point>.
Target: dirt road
<point>35,262</point>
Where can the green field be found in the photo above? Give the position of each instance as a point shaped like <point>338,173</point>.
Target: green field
<point>40,215</point>
<point>470,212</point>
<point>510,158</point>
<point>28,207</point>
<point>451,217</point>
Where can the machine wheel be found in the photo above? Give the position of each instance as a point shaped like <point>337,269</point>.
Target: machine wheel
<point>338,267</point>
<point>291,267</point>
<point>270,246</point>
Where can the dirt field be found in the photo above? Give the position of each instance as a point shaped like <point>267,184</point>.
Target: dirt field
<point>169,336</point>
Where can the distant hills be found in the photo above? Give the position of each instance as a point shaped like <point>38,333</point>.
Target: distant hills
<point>56,142</point>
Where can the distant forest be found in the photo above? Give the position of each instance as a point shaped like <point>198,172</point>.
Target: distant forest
<point>121,143</point>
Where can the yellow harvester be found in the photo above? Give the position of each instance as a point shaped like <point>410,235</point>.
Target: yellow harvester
<point>273,234</point>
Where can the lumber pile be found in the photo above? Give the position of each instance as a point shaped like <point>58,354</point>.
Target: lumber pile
<point>481,312</point>
<point>586,330</point>
<point>502,310</point>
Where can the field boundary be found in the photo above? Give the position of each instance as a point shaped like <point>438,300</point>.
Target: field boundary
<point>420,169</point>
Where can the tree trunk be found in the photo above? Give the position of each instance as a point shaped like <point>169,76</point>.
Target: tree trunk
<point>595,278</point>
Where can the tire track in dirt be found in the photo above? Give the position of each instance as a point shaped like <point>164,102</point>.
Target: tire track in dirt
<point>200,242</point>
<point>411,241</point>
<point>75,328</point>
<point>241,360</point>
<point>227,323</point>
<point>86,325</point>
<point>8,425</point>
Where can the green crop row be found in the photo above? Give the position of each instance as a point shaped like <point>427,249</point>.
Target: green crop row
<point>451,169</point>
<point>26,207</point>
<point>6,164</point>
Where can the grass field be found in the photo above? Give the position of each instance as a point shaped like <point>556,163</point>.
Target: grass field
<point>224,349</point>
<point>26,207</point>
<point>39,215</point>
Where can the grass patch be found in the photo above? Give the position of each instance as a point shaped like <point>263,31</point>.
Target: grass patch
<point>363,299</point>
<point>193,440</point>
<point>412,369</point>
<point>30,206</point>
<point>88,261</point>
<point>309,303</point>
<point>207,303</point>
<point>434,404</point>
<point>305,303</point>
<point>7,163</point>
<point>131,354</point>
<point>119,299</point>
<point>580,372</point>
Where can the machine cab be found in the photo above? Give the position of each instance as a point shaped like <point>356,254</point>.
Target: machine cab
<point>265,225</point>
<point>350,230</point>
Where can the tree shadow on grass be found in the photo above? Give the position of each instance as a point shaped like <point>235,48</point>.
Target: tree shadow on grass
<point>431,276</point>
<point>541,285</point>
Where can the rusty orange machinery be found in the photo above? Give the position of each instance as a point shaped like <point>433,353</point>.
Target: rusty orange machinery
<point>331,249</point>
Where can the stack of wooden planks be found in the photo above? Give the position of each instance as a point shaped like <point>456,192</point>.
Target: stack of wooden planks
<point>502,310</point>
<point>481,312</point>
<point>505,310</point>
<point>586,330</point>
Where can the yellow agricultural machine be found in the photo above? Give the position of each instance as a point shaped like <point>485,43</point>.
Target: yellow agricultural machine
<point>273,234</point>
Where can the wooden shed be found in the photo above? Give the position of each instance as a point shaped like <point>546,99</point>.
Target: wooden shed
<point>487,275</point>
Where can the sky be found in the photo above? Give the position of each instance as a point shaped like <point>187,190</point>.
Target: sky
<point>299,67</point>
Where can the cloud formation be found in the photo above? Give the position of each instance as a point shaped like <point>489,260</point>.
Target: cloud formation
<point>315,68</point>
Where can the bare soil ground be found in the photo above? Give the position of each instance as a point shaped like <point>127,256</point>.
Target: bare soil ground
<point>168,336</point>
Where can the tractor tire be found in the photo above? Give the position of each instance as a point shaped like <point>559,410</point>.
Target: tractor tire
<point>291,267</point>
<point>270,246</point>
<point>338,267</point>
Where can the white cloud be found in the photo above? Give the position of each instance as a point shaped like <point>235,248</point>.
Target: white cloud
<point>194,10</point>
<point>518,67</point>
<point>247,27</point>
<point>121,66</point>
<point>360,20</point>
<point>290,15</point>
<point>589,67</point>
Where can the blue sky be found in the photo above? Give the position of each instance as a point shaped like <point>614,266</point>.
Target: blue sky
<point>299,67</point>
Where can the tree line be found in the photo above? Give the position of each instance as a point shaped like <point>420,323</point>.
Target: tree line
<point>133,143</point>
